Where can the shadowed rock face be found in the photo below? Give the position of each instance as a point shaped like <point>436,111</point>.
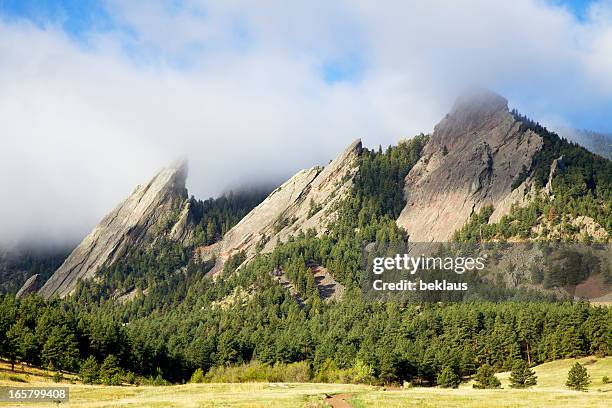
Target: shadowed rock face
<point>306,201</point>
<point>470,161</point>
<point>159,207</point>
<point>30,286</point>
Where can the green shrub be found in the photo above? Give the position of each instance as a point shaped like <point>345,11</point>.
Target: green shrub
<point>57,376</point>
<point>359,373</point>
<point>116,379</point>
<point>130,377</point>
<point>197,376</point>
<point>256,371</point>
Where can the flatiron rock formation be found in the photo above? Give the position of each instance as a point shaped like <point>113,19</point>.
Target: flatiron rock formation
<point>30,286</point>
<point>159,207</point>
<point>306,201</point>
<point>471,160</point>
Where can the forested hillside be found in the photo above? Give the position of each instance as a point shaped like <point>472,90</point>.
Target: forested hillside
<point>580,186</point>
<point>216,216</point>
<point>598,143</point>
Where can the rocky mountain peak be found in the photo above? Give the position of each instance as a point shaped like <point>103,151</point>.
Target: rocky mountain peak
<point>158,207</point>
<point>478,102</point>
<point>477,110</point>
<point>471,160</point>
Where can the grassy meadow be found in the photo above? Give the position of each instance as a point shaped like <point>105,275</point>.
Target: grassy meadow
<point>550,392</point>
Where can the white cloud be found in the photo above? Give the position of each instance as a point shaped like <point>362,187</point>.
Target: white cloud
<point>238,88</point>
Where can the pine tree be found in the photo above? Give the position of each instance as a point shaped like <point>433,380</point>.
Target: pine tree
<point>485,378</point>
<point>447,378</point>
<point>60,351</point>
<point>90,371</point>
<point>522,376</point>
<point>388,367</point>
<point>14,339</point>
<point>110,372</point>
<point>578,378</point>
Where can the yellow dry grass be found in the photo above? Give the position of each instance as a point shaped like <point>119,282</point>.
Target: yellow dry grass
<point>550,392</point>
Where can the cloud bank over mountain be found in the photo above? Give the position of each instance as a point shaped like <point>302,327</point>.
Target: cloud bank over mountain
<point>93,101</point>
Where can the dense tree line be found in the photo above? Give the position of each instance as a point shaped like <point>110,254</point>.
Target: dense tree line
<point>215,216</point>
<point>397,342</point>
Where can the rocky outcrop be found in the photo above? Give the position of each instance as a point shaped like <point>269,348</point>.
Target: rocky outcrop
<point>556,167</point>
<point>160,207</point>
<point>471,160</point>
<point>30,286</point>
<point>329,289</point>
<point>306,201</point>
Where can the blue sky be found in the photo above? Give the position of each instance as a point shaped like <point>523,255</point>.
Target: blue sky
<point>578,7</point>
<point>104,93</point>
<point>77,17</point>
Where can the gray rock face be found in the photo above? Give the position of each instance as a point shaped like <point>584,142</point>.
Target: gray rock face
<point>306,201</point>
<point>471,160</point>
<point>30,286</point>
<point>160,207</point>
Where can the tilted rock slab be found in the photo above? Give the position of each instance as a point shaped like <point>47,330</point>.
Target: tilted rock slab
<point>30,286</point>
<point>290,209</point>
<point>471,160</point>
<point>146,214</point>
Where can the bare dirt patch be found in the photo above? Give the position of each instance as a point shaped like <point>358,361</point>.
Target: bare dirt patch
<point>339,401</point>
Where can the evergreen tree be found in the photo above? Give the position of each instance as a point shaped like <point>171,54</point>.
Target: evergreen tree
<point>14,350</point>
<point>60,351</point>
<point>90,371</point>
<point>447,378</point>
<point>388,367</point>
<point>110,372</point>
<point>578,378</point>
<point>522,376</point>
<point>485,378</point>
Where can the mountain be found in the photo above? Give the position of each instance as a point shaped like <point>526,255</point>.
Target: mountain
<point>598,143</point>
<point>305,201</point>
<point>159,208</point>
<point>472,160</point>
<point>481,157</point>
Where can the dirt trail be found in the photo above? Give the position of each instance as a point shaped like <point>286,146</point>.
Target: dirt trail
<point>339,401</point>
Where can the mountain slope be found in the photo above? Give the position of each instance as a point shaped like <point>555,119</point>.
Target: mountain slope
<point>598,143</point>
<point>160,207</point>
<point>471,160</point>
